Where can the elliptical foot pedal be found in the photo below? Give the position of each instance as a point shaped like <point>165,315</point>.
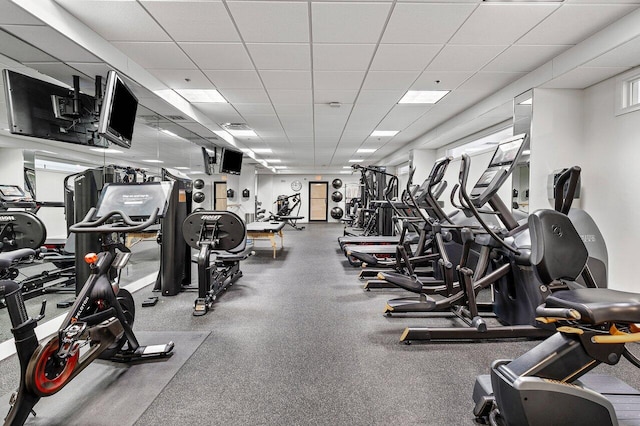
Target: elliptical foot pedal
<point>150,301</point>
<point>145,352</point>
<point>200,307</point>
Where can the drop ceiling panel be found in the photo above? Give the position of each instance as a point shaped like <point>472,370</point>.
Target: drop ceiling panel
<point>177,79</point>
<point>219,113</point>
<point>245,96</point>
<point>284,56</point>
<point>263,122</point>
<point>425,23</point>
<point>290,97</point>
<point>387,98</point>
<point>156,54</point>
<point>20,51</point>
<point>128,21</point>
<point>91,69</point>
<point>12,14</point>
<point>583,77</point>
<point>343,22</point>
<point>404,57</point>
<point>521,58</point>
<point>508,23</point>
<point>338,80</point>
<point>255,109</point>
<point>264,21</point>
<point>464,58</point>
<point>341,96</point>
<point>402,116</point>
<point>234,79</point>
<point>489,82</point>
<point>293,109</point>
<point>441,80</point>
<point>218,56</point>
<point>286,79</point>
<point>627,55</point>
<point>390,80</point>
<point>52,42</point>
<point>193,21</point>
<point>342,57</point>
<point>583,19</point>
<point>61,72</point>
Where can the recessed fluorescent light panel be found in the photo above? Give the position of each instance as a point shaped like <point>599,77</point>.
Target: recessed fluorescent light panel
<point>345,172</point>
<point>169,132</point>
<point>202,96</point>
<point>382,133</point>
<point>523,1</point>
<point>356,161</point>
<point>366,150</point>
<point>243,133</point>
<point>153,161</point>
<point>423,96</point>
<point>279,167</point>
<point>273,161</point>
<point>182,168</point>
<point>106,150</point>
<point>346,167</point>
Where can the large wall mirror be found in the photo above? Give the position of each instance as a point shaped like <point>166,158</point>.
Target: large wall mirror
<point>522,113</point>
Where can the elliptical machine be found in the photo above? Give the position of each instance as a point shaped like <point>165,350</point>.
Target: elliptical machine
<point>99,324</point>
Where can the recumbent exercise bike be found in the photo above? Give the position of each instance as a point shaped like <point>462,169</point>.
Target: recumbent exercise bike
<point>99,324</point>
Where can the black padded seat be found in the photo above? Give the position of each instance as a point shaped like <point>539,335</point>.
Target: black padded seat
<point>8,258</point>
<point>598,305</point>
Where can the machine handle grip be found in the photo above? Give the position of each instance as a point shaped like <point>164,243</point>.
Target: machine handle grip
<point>100,225</point>
<point>566,313</point>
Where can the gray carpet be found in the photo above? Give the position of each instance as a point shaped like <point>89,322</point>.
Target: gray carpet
<point>297,341</point>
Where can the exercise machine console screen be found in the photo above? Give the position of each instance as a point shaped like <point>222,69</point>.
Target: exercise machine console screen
<point>135,200</point>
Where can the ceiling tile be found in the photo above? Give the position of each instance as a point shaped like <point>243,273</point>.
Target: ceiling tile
<point>219,113</point>
<point>520,58</point>
<point>177,79</point>
<point>218,56</point>
<point>345,57</point>
<point>441,80</point>
<point>404,57</point>
<point>286,79</point>
<point>337,80</point>
<point>583,77</point>
<point>60,72</point>
<point>380,97</point>
<point>490,82</point>
<point>264,21</point>
<point>234,79</point>
<point>20,51</point>
<point>343,22</point>
<point>425,23</point>
<point>156,54</point>
<point>508,23</point>
<point>264,123</point>
<point>52,42</point>
<point>254,109</point>
<point>290,97</point>
<point>390,80</point>
<point>402,116</point>
<point>626,55</point>
<point>194,21</point>
<point>270,56</point>
<point>583,20</point>
<point>328,96</point>
<point>475,57</point>
<point>13,14</point>
<point>293,109</point>
<point>126,21</point>
<point>245,96</point>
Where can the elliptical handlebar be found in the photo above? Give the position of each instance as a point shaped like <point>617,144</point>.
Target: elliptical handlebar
<point>100,226</point>
<point>563,203</point>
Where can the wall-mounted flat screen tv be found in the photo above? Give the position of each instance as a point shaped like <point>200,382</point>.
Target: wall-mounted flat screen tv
<point>41,109</point>
<point>209,159</point>
<point>231,162</point>
<point>118,112</point>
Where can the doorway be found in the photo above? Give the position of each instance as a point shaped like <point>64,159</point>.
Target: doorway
<point>220,195</point>
<point>318,193</point>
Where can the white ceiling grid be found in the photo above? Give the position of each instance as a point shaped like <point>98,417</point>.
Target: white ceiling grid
<point>281,63</point>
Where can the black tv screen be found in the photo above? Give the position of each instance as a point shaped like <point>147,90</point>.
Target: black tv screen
<point>44,110</point>
<point>231,162</point>
<point>209,160</point>
<point>118,112</point>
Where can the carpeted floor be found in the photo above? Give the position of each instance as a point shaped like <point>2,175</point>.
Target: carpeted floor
<point>296,341</point>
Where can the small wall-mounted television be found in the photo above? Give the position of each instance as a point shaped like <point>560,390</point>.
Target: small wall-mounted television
<point>118,112</point>
<point>44,110</point>
<point>231,161</point>
<point>209,159</point>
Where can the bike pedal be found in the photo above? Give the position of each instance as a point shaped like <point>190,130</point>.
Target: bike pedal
<point>200,307</point>
<point>150,301</point>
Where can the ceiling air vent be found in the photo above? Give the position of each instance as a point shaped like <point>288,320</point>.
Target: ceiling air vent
<point>236,126</point>
<point>175,117</point>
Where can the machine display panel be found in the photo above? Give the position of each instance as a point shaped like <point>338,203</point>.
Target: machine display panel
<point>486,178</point>
<point>11,191</point>
<point>138,201</point>
<point>506,153</point>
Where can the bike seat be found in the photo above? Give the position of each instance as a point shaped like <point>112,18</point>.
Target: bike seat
<point>598,305</point>
<point>10,257</point>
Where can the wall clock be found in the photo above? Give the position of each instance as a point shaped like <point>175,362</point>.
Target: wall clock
<point>296,185</point>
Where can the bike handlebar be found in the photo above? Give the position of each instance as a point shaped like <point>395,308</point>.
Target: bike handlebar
<point>99,226</point>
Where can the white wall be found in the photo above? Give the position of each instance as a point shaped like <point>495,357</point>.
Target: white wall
<point>422,160</point>
<point>270,186</point>
<point>11,167</point>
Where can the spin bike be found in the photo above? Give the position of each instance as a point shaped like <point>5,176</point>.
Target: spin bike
<point>99,324</point>
<point>221,240</point>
